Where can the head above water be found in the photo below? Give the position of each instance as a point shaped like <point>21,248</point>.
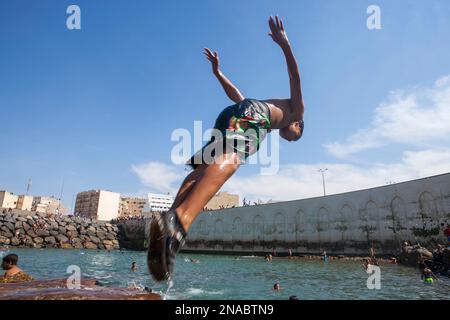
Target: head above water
<point>9,261</point>
<point>292,132</point>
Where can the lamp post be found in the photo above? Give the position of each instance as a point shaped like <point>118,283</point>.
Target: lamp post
<point>323,179</point>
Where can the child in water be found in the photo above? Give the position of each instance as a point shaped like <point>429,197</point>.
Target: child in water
<point>428,275</point>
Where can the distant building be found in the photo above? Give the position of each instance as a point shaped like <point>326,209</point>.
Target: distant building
<point>158,203</point>
<point>131,206</point>
<point>25,202</point>
<point>97,204</point>
<point>223,200</point>
<point>8,200</point>
<point>49,205</point>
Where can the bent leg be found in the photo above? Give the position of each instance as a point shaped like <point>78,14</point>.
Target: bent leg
<point>187,185</point>
<point>211,180</point>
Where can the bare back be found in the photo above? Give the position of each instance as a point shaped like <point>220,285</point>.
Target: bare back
<point>280,113</point>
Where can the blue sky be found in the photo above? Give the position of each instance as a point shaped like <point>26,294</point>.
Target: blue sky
<point>96,107</point>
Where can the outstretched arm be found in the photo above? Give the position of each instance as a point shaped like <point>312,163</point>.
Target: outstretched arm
<point>232,92</point>
<point>279,36</point>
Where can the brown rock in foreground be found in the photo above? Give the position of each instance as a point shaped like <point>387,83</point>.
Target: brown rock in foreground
<point>57,290</point>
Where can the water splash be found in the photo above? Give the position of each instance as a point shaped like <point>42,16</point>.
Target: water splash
<point>169,286</point>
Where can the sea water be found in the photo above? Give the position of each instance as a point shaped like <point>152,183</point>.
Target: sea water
<point>221,277</point>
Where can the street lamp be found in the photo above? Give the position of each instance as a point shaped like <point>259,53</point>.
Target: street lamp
<point>323,179</point>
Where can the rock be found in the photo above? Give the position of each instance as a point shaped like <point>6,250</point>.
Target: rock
<point>10,226</point>
<point>101,235</point>
<point>90,245</point>
<point>18,225</point>
<point>25,226</point>
<point>56,289</point>
<point>62,230</point>
<point>66,246</point>
<point>27,240</point>
<point>54,226</point>
<point>413,256</point>
<point>62,238</point>
<point>77,245</point>
<point>22,219</point>
<point>54,233</point>
<point>71,227</point>
<point>50,240</point>
<point>110,236</point>
<point>6,233</point>
<point>76,239</point>
<point>31,233</point>
<point>446,257</point>
<point>43,233</point>
<point>38,240</point>
<point>15,241</point>
<point>4,240</point>
<point>94,239</point>
<point>83,230</point>
<point>29,218</point>
<point>72,234</point>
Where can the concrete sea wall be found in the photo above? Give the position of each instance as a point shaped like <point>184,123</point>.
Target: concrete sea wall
<point>347,223</point>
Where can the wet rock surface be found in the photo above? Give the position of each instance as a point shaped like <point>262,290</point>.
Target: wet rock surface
<point>58,290</point>
<point>39,230</point>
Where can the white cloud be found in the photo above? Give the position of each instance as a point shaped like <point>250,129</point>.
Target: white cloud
<point>158,177</point>
<point>298,181</point>
<point>410,117</point>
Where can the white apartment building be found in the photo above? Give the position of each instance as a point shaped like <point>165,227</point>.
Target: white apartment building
<point>98,205</point>
<point>158,202</point>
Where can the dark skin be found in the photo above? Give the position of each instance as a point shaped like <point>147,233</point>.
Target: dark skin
<point>10,268</point>
<point>207,179</point>
<point>285,113</point>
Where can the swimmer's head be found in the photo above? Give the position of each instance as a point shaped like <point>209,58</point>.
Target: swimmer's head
<point>276,286</point>
<point>292,132</point>
<point>9,261</point>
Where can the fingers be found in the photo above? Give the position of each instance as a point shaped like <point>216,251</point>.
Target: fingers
<point>282,26</point>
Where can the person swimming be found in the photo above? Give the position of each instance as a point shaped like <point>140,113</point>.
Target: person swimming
<point>428,276</point>
<point>134,267</point>
<point>13,272</point>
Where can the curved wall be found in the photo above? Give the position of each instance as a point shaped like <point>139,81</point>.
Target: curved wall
<point>347,223</point>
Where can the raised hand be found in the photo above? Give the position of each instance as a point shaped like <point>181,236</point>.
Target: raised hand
<point>277,32</point>
<point>213,57</point>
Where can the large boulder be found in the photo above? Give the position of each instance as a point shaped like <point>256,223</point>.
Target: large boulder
<point>90,245</point>
<point>38,240</point>
<point>4,240</point>
<point>72,234</point>
<point>71,227</point>
<point>413,255</point>
<point>10,226</point>
<point>43,233</point>
<point>446,257</point>
<point>25,226</point>
<point>15,241</point>
<point>62,238</point>
<point>101,235</point>
<point>31,233</point>
<point>94,239</point>
<point>50,240</point>
<point>5,232</point>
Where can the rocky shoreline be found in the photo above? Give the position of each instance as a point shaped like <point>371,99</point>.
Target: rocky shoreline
<point>57,290</point>
<point>39,230</point>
